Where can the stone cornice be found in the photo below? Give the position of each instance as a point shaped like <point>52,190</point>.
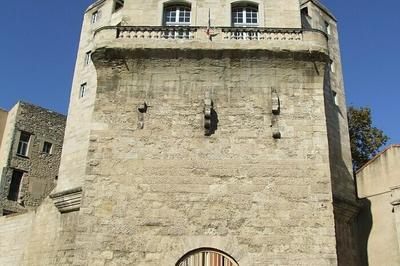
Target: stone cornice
<point>68,200</point>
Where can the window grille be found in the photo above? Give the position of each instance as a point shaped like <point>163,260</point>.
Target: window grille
<point>206,258</point>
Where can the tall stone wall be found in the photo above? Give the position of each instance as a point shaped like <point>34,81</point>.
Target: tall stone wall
<point>155,187</point>
<point>40,238</point>
<point>80,109</point>
<point>14,237</point>
<point>343,185</point>
<point>154,193</point>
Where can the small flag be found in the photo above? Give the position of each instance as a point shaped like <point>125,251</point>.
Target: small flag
<point>208,31</point>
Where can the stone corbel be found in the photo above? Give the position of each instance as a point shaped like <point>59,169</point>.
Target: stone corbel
<point>276,104</point>
<point>68,200</point>
<point>142,109</point>
<point>208,108</point>
<point>276,109</point>
<point>395,202</point>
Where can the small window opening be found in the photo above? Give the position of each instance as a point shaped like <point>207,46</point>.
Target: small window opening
<point>334,96</point>
<point>328,28</point>
<point>304,11</point>
<point>118,4</point>
<point>305,18</point>
<point>47,147</point>
<point>95,17</point>
<point>15,186</point>
<point>245,15</point>
<point>88,56</point>
<point>177,15</point>
<point>333,67</point>
<point>82,90</point>
<point>23,144</point>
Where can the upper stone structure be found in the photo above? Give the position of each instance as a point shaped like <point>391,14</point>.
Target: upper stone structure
<point>202,133</point>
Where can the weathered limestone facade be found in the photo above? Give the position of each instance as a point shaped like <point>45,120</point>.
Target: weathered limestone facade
<point>378,185</point>
<point>345,206</point>
<point>186,143</point>
<point>29,170</point>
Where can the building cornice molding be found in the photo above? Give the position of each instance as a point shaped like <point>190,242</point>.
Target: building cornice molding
<point>68,200</point>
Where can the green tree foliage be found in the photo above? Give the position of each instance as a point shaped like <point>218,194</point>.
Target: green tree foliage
<point>365,139</point>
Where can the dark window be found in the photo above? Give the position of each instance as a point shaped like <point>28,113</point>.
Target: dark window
<point>304,11</point>
<point>88,58</point>
<point>15,185</point>
<point>118,4</point>
<point>47,147</point>
<point>305,18</point>
<point>82,90</point>
<point>335,98</point>
<point>327,28</point>
<point>23,144</point>
<point>95,17</point>
<point>7,212</point>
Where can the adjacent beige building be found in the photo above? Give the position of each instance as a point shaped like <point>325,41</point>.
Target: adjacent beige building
<point>3,121</point>
<point>378,185</point>
<point>200,133</point>
<point>29,156</point>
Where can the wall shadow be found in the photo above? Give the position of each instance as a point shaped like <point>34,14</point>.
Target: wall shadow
<point>364,224</point>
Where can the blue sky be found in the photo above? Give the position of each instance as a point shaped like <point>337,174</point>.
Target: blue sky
<point>39,43</point>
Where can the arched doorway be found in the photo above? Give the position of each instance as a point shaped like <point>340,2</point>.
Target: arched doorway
<point>206,257</point>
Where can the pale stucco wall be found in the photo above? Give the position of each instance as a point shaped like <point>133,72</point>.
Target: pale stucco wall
<point>380,175</point>
<point>377,185</point>
<point>3,120</point>
<point>8,137</point>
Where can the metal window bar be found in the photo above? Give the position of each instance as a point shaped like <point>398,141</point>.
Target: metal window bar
<point>207,258</point>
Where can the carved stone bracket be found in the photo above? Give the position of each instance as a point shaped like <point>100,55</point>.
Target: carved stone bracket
<point>395,195</point>
<point>276,109</point>
<point>276,103</point>
<point>395,202</point>
<point>208,108</point>
<point>142,108</point>
<point>68,200</point>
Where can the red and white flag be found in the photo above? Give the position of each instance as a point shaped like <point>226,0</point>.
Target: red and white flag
<point>208,31</point>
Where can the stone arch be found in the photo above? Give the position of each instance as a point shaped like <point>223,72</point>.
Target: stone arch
<point>206,257</point>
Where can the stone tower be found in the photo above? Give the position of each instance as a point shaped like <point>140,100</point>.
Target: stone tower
<point>204,133</point>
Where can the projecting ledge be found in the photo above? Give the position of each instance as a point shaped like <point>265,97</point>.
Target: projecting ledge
<point>279,40</point>
<point>68,200</point>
